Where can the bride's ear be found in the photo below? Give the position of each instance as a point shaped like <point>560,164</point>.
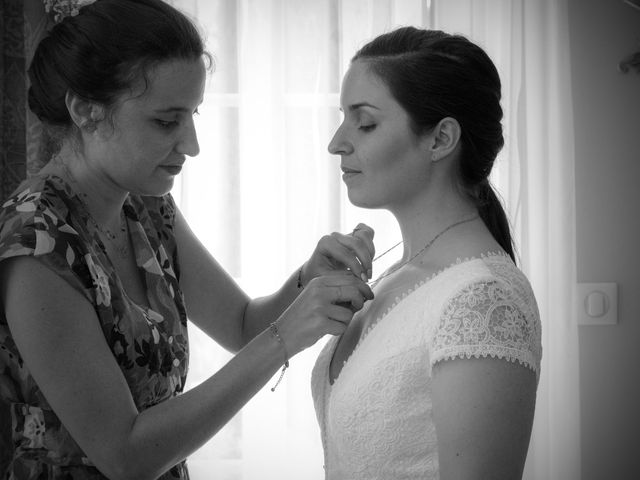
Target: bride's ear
<point>84,114</point>
<point>444,139</point>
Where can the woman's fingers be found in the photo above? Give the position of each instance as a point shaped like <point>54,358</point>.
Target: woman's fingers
<point>338,251</point>
<point>344,287</point>
<point>354,251</point>
<point>365,231</point>
<point>326,305</point>
<point>357,252</point>
<point>334,326</point>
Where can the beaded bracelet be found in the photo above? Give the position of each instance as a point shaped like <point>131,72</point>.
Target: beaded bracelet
<point>273,328</point>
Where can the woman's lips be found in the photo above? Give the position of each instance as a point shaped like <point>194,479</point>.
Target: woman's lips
<point>349,173</point>
<point>349,177</point>
<point>172,169</point>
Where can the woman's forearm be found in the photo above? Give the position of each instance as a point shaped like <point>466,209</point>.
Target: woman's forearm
<point>167,433</point>
<point>84,385</point>
<point>260,312</point>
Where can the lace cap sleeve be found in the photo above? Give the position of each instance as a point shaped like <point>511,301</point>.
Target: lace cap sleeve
<point>488,318</point>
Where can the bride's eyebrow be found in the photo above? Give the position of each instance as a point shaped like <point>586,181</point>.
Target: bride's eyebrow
<point>355,106</point>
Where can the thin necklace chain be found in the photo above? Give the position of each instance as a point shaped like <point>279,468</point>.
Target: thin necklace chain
<point>413,257</point>
<point>112,237</point>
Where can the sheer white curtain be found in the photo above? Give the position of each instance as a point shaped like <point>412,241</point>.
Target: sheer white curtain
<point>264,190</point>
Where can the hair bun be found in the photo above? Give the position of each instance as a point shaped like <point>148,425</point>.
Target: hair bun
<point>100,53</point>
<point>64,8</point>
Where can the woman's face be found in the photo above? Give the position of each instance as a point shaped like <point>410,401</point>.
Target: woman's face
<point>145,144</point>
<point>384,163</point>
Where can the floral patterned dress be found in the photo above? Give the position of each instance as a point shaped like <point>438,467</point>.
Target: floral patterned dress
<point>45,219</point>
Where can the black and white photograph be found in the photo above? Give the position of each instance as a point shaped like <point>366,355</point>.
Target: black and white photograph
<point>319,239</point>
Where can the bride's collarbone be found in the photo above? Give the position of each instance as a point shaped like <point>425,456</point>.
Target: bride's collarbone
<point>386,296</point>
<point>404,281</point>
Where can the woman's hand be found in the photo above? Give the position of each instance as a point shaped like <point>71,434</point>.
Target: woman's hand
<point>325,306</point>
<point>337,251</point>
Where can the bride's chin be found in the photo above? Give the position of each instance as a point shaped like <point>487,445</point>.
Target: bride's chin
<point>361,201</point>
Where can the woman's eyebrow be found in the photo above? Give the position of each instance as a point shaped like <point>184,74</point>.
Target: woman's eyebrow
<point>172,109</point>
<point>175,109</point>
<point>356,106</point>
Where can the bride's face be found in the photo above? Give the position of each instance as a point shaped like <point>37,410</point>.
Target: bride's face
<point>384,163</point>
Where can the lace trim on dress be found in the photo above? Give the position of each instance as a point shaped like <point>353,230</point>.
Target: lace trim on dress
<point>398,299</point>
<point>489,319</point>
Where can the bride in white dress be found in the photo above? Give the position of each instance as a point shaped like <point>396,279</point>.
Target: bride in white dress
<point>436,377</point>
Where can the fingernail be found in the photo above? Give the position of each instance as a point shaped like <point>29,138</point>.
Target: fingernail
<point>364,278</point>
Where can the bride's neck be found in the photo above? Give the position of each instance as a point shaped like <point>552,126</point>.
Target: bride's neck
<point>426,220</point>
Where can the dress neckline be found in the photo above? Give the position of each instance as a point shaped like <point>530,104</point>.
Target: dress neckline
<point>132,224</point>
<point>397,301</point>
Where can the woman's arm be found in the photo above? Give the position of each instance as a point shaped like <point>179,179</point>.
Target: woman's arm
<point>61,342</point>
<point>222,310</point>
<point>483,413</point>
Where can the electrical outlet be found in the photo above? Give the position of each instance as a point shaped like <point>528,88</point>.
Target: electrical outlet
<point>597,303</point>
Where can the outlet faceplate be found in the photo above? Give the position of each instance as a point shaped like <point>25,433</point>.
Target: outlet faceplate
<point>597,303</point>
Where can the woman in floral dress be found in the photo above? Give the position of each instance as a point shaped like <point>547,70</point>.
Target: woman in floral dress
<point>99,270</point>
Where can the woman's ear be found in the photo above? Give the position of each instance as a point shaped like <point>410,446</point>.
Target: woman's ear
<point>445,138</point>
<point>84,114</point>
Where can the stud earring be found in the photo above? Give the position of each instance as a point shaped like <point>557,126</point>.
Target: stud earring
<point>88,126</point>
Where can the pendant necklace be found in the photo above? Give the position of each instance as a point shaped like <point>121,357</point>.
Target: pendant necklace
<point>122,249</point>
<point>413,257</point>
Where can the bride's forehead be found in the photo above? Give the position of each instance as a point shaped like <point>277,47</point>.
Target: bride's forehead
<point>361,84</point>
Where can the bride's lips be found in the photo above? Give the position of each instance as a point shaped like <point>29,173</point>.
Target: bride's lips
<point>172,169</point>
<point>349,173</point>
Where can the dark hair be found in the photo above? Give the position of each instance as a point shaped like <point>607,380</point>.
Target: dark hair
<point>434,75</point>
<point>101,52</point>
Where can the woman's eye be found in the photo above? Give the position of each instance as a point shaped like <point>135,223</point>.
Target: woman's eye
<point>166,123</point>
<point>367,128</point>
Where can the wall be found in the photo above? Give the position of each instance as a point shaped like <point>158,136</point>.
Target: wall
<point>607,147</point>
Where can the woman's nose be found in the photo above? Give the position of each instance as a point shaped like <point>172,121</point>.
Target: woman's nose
<point>189,142</point>
<point>339,145</point>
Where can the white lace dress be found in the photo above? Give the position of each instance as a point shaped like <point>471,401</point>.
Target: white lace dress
<point>376,418</point>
